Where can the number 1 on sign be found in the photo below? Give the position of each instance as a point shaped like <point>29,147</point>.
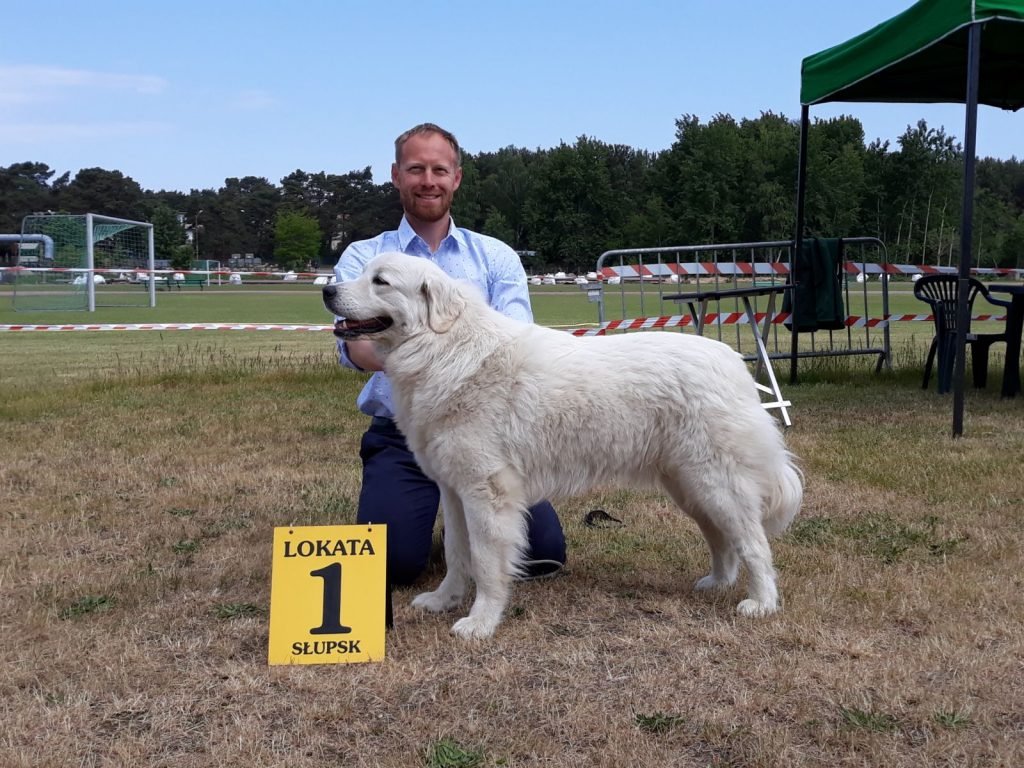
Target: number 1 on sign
<point>330,623</point>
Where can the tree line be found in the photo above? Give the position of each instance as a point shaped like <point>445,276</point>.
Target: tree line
<point>721,181</point>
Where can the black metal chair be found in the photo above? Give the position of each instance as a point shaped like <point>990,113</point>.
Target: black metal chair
<point>939,292</point>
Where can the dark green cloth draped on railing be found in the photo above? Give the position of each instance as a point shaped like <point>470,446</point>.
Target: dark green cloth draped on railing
<point>816,302</point>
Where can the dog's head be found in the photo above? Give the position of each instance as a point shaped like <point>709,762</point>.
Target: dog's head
<point>396,297</point>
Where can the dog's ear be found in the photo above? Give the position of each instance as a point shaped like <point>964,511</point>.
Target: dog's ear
<point>444,303</point>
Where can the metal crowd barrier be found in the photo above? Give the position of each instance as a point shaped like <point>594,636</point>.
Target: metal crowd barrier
<point>633,283</point>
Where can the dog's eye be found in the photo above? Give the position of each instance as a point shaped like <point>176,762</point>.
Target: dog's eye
<point>378,280</point>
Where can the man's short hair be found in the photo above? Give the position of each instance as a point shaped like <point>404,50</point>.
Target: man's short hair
<point>423,129</point>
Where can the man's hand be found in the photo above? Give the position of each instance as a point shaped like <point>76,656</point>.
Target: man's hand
<point>363,353</point>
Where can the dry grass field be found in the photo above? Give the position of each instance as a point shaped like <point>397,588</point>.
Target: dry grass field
<point>141,477</point>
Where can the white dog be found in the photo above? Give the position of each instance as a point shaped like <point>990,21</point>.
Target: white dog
<point>502,414</point>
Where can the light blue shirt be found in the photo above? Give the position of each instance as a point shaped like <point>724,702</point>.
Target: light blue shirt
<point>484,261</point>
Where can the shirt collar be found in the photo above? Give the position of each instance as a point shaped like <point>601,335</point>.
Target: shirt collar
<point>406,234</point>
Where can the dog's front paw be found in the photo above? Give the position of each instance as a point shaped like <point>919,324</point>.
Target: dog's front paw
<point>754,609</point>
<point>435,602</point>
<point>474,628</point>
<point>709,582</point>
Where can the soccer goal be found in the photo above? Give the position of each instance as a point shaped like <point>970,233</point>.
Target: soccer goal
<point>84,262</point>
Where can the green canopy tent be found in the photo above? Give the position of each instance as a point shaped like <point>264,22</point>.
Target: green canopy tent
<point>960,51</point>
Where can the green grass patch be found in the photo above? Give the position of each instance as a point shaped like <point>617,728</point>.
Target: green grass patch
<point>185,547</point>
<point>448,753</point>
<point>86,605</point>
<point>859,719</point>
<point>228,611</point>
<point>883,536</point>
<point>812,531</point>
<point>952,719</point>
<point>657,722</point>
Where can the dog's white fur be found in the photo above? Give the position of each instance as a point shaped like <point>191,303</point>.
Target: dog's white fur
<point>502,414</point>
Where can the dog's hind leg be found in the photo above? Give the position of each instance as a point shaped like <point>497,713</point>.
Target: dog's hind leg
<point>455,585</point>
<point>756,554</point>
<point>729,516</point>
<point>724,558</point>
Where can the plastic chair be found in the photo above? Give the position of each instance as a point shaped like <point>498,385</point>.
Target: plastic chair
<point>939,292</point>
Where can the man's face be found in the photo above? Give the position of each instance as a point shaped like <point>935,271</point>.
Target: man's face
<point>426,177</point>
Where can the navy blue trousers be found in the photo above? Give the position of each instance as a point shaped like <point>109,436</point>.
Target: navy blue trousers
<point>397,493</point>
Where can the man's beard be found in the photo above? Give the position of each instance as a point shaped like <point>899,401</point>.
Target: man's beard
<point>427,211</point>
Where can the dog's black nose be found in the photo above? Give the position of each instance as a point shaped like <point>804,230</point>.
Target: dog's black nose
<point>329,291</point>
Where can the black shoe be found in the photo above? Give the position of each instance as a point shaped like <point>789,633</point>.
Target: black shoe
<point>534,570</point>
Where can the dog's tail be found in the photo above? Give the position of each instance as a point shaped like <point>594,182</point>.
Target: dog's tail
<point>784,500</point>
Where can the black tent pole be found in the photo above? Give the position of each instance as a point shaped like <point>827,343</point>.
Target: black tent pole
<point>798,241</point>
<point>966,220</point>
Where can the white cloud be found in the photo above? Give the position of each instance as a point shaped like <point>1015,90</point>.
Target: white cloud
<point>27,84</point>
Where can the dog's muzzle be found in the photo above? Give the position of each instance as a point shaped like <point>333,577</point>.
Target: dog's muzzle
<point>350,328</point>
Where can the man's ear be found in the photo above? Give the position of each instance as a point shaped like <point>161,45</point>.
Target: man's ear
<point>444,304</point>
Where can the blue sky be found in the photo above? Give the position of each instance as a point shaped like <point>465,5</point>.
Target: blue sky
<point>183,94</point>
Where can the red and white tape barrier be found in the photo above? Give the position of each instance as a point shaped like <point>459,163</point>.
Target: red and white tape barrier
<point>635,324</point>
<point>167,327</point>
<point>774,269</point>
<point>143,272</point>
<point>627,272</point>
<point>740,318</point>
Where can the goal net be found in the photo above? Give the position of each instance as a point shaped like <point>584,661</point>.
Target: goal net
<point>84,262</point>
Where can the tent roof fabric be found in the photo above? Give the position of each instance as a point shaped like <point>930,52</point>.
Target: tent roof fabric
<point>921,56</point>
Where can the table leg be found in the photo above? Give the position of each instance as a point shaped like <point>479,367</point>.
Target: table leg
<point>764,360</point>
<point>697,325</point>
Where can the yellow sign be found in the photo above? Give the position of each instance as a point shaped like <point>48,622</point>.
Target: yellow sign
<point>327,594</point>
